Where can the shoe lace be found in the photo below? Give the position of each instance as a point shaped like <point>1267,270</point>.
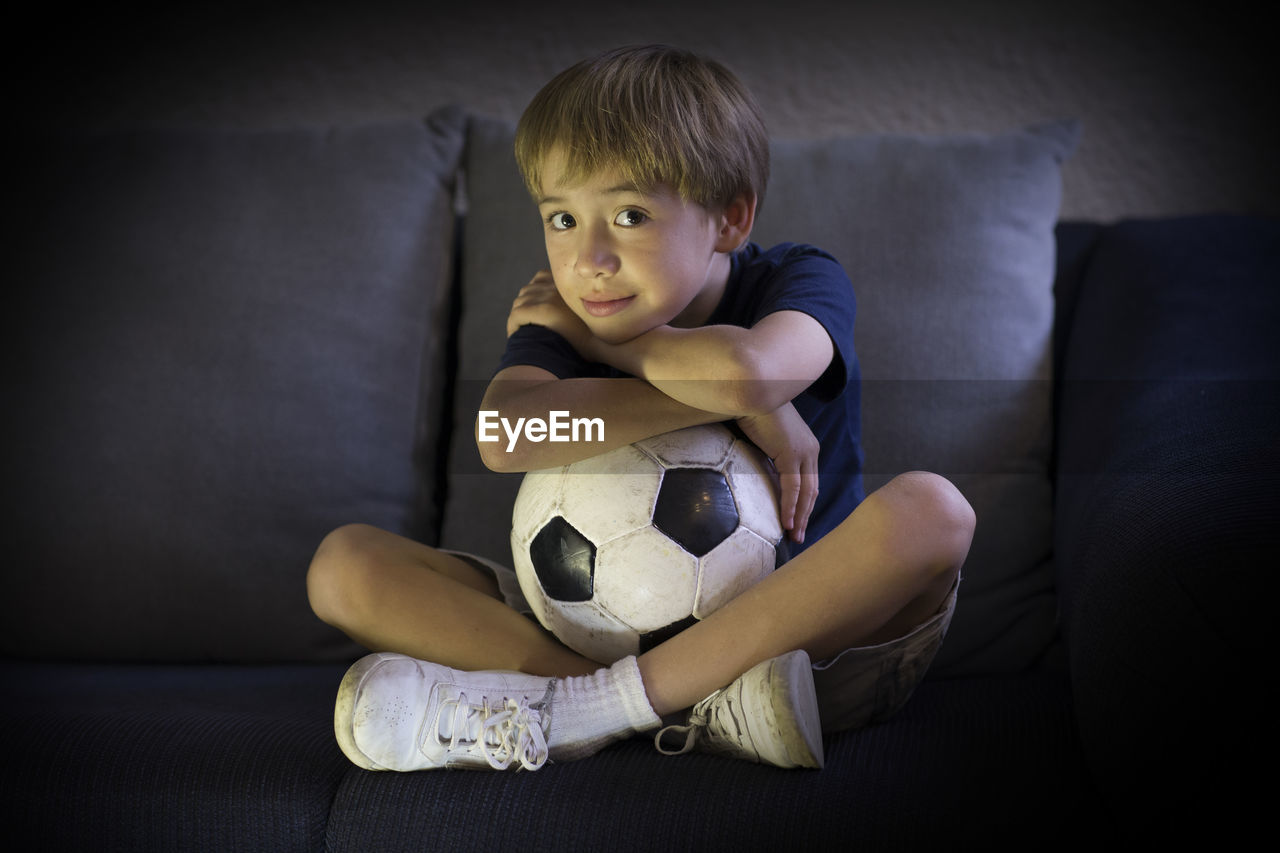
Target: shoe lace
<point>509,731</point>
<point>695,726</point>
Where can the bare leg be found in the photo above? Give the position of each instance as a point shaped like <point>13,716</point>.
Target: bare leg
<point>389,593</point>
<point>881,572</point>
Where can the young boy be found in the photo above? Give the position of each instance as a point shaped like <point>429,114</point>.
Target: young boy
<point>648,166</point>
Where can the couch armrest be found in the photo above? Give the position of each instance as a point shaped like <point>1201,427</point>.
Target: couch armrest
<point>1168,493</point>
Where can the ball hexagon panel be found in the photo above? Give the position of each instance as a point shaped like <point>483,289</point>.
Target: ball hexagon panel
<point>646,580</point>
<point>610,495</point>
<point>590,631</point>
<point>705,446</point>
<point>739,562</point>
<point>755,488</point>
<point>540,493</point>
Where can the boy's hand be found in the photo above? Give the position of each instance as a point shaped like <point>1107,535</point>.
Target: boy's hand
<point>539,304</point>
<point>787,440</point>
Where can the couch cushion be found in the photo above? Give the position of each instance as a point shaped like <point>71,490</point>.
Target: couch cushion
<point>172,758</point>
<point>228,341</point>
<point>502,249</point>
<point>968,764</point>
<point>949,242</point>
<point>1167,503</point>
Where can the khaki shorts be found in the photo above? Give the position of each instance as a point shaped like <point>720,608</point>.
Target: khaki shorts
<point>858,687</point>
<point>869,684</point>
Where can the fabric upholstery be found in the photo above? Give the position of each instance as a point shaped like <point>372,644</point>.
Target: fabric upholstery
<point>177,758</point>
<point>974,764</point>
<point>229,344</point>
<point>501,250</point>
<point>949,242</point>
<point>180,758</point>
<point>1167,501</point>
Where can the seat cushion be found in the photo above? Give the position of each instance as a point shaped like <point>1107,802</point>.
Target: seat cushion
<point>967,764</point>
<point>169,758</point>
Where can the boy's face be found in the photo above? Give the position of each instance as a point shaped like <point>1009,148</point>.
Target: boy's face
<point>626,260</point>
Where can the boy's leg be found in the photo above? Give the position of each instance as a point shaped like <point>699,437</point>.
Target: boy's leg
<point>885,569</point>
<point>447,648</point>
<point>391,594</point>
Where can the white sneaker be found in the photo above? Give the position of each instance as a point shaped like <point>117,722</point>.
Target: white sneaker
<point>397,713</point>
<point>768,715</point>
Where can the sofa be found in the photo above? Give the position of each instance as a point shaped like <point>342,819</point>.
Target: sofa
<point>225,343</point>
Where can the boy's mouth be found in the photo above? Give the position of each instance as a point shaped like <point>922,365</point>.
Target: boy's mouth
<point>606,307</point>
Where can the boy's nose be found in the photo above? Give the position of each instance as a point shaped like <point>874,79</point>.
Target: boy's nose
<point>596,256</point>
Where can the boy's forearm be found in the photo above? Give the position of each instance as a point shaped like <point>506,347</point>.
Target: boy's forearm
<point>524,426</point>
<point>711,368</point>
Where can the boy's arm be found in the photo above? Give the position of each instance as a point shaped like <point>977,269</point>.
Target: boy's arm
<point>629,409</point>
<point>754,374</point>
<point>751,371</point>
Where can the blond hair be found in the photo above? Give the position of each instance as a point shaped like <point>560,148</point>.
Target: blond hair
<point>660,115</point>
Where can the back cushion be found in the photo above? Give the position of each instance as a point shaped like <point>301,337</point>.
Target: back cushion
<point>502,249</point>
<point>230,345</point>
<point>949,243</point>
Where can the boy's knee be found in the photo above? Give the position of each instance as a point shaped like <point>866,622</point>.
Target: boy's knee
<point>935,506</point>
<point>939,500</point>
<point>333,576</point>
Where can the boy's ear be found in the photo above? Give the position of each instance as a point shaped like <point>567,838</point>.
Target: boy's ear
<point>736,221</point>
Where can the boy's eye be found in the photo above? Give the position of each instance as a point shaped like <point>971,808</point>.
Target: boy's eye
<point>561,221</point>
<point>630,218</point>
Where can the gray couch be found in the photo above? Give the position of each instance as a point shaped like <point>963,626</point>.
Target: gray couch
<point>228,343</point>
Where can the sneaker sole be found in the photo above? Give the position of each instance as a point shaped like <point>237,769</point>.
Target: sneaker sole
<point>344,723</point>
<point>804,746</point>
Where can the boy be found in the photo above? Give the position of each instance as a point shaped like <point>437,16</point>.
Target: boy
<point>648,165</point>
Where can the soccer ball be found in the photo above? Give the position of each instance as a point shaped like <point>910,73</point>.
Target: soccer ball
<point>620,551</point>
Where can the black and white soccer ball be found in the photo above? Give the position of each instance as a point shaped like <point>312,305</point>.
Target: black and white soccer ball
<point>620,551</point>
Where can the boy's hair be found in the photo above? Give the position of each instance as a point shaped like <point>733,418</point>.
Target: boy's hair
<point>659,114</point>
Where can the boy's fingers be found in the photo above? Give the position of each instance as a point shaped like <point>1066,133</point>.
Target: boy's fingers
<point>806,498</point>
<point>789,499</point>
<point>802,516</point>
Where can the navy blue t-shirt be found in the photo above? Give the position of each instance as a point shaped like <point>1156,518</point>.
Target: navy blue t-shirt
<point>788,277</point>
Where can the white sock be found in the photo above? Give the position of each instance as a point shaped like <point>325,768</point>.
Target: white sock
<point>591,711</point>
